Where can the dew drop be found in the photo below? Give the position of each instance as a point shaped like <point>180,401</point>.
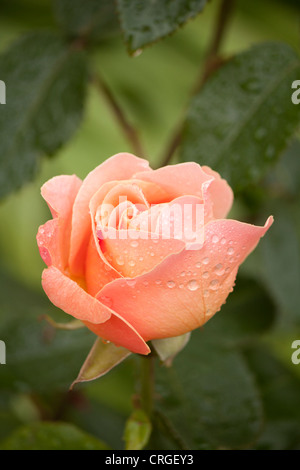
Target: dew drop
<point>120,261</point>
<point>131,282</point>
<point>215,239</point>
<point>182,274</point>
<point>219,269</point>
<point>131,263</point>
<point>205,275</point>
<point>230,251</point>
<point>223,241</point>
<point>193,285</point>
<point>171,284</point>
<point>134,244</point>
<point>106,300</point>
<point>205,261</point>
<point>260,133</point>
<point>158,282</point>
<point>214,284</point>
<point>42,230</point>
<point>198,265</point>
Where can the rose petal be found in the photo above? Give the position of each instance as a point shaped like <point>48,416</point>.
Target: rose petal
<point>119,332</point>
<point>48,241</point>
<point>119,167</point>
<point>186,289</point>
<point>59,193</point>
<point>133,255</point>
<point>67,295</point>
<point>219,192</point>
<point>97,273</point>
<point>178,180</point>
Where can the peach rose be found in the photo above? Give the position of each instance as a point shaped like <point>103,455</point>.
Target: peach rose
<point>113,265</point>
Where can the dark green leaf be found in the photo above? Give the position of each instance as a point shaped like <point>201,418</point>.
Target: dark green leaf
<point>51,436</point>
<point>37,354</point>
<point>279,262</point>
<point>146,22</point>
<point>280,392</point>
<point>241,120</point>
<point>247,314</point>
<point>209,397</point>
<point>45,89</point>
<point>88,20</point>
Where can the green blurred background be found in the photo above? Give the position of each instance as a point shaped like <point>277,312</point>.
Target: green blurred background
<point>154,89</point>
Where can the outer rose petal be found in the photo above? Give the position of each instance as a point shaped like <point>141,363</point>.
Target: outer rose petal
<point>48,241</point>
<point>72,299</point>
<point>178,180</point>
<point>97,273</point>
<point>118,167</point>
<point>219,192</point>
<point>186,289</point>
<point>59,193</point>
<point>67,295</point>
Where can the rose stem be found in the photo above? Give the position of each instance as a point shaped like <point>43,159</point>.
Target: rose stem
<point>129,131</point>
<point>211,63</point>
<point>147,384</point>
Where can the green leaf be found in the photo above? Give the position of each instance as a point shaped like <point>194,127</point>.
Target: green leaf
<point>101,359</point>
<point>39,358</point>
<point>209,397</point>
<point>51,436</point>
<point>280,392</point>
<point>45,89</point>
<point>137,431</point>
<point>88,20</point>
<point>247,314</point>
<point>241,120</point>
<point>146,22</point>
<point>279,261</point>
<point>168,348</point>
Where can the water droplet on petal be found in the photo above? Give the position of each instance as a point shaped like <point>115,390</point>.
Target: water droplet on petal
<point>131,263</point>
<point>198,265</point>
<point>171,284</point>
<point>158,282</point>
<point>230,251</point>
<point>205,275</point>
<point>219,269</point>
<point>120,261</point>
<point>134,244</point>
<point>223,241</point>
<point>215,239</point>
<point>205,260</point>
<point>214,284</point>
<point>193,285</point>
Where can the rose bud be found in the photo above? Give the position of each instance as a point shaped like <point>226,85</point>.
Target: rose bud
<point>138,254</point>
